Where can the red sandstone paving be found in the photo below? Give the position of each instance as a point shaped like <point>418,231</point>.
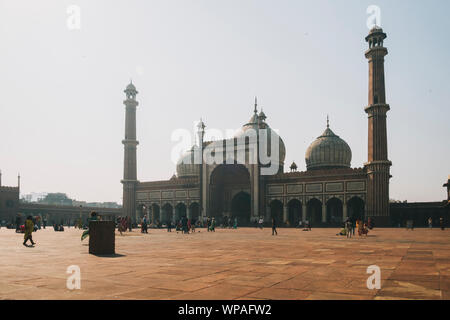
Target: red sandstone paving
<point>240,264</point>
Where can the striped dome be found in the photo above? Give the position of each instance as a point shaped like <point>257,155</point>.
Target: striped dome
<point>186,166</point>
<point>328,151</point>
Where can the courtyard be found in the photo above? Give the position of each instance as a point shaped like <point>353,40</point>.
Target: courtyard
<point>246,263</point>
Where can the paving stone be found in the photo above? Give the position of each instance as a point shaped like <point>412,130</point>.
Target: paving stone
<point>246,263</point>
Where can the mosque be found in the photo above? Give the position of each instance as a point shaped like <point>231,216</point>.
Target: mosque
<point>231,178</point>
<point>328,192</point>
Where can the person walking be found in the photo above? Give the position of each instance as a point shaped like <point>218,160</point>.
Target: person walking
<point>430,223</point>
<point>208,224</point>
<point>144,224</point>
<point>184,225</point>
<point>274,227</point>
<point>121,225</point>
<point>213,225</point>
<point>261,222</point>
<point>235,223</point>
<point>189,225</point>
<point>348,227</point>
<point>130,227</point>
<point>441,223</point>
<point>18,223</point>
<point>94,217</point>
<point>29,228</point>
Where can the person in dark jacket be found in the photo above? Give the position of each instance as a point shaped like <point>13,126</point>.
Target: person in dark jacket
<point>274,227</point>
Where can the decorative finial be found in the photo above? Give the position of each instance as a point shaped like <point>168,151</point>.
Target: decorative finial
<point>256,105</point>
<point>328,122</point>
<point>201,125</point>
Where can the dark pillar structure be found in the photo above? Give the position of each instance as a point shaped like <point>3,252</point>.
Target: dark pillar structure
<point>130,143</point>
<point>448,189</point>
<point>378,165</point>
<point>202,185</point>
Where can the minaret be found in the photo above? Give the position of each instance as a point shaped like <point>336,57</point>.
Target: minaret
<point>202,190</point>
<point>378,165</point>
<point>130,143</point>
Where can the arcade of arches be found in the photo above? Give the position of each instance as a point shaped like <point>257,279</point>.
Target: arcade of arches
<point>169,212</point>
<point>333,213</point>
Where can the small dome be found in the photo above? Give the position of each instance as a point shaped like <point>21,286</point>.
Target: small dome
<point>262,116</point>
<point>376,29</point>
<point>328,151</point>
<point>293,166</point>
<point>186,166</point>
<point>131,88</point>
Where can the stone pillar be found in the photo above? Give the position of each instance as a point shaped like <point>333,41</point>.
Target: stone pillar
<point>304,211</point>
<point>285,213</point>
<point>255,190</point>
<point>188,212</point>
<point>324,212</point>
<point>344,211</point>
<point>204,205</point>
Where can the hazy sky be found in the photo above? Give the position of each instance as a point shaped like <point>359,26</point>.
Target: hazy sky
<point>61,111</point>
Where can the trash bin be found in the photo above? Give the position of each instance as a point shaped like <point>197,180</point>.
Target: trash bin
<point>102,240</point>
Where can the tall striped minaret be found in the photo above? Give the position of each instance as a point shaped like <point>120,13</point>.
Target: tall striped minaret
<point>378,165</point>
<point>130,144</point>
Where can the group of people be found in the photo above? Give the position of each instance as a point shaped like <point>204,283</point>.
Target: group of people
<point>58,227</point>
<point>229,223</point>
<point>305,227</point>
<point>361,226</point>
<point>259,223</point>
<point>124,224</point>
<point>211,224</point>
<point>441,223</point>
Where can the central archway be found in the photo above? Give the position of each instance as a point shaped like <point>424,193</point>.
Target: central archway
<point>226,182</point>
<point>241,208</point>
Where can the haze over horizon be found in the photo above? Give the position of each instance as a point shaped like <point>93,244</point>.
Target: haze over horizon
<point>62,112</point>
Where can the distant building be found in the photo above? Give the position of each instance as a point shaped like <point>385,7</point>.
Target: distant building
<point>9,201</point>
<point>59,199</point>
